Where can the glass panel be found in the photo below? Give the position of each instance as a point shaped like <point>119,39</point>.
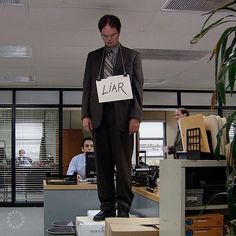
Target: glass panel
<point>153,148</point>
<point>37,97</point>
<point>36,151</point>
<point>151,130</point>
<point>6,97</point>
<point>72,135</point>
<point>72,97</point>
<point>196,99</point>
<point>29,135</point>
<point>151,140</point>
<point>160,98</point>
<point>5,154</point>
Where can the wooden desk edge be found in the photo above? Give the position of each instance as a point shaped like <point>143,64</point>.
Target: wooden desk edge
<point>86,186</point>
<point>79,186</point>
<point>143,192</point>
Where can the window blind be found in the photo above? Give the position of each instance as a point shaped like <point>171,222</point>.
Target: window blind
<point>36,134</point>
<point>5,154</point>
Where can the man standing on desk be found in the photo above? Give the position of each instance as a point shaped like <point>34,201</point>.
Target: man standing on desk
<point>113,123</point>
<point>78,162</point>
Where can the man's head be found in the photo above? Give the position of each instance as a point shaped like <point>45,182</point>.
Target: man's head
<point>87,144</point>
<point>109,26</point>
<point>180,113</point>
<point>22,153</point>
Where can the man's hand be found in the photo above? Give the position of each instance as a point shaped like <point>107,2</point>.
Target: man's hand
<point>133,126</point>
<point>79,178</point>
<point>87,124</point>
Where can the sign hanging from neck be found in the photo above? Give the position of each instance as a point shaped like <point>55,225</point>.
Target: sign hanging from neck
<point>114,88</point>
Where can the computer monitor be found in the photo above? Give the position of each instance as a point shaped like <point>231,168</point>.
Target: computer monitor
<point>90,168</point>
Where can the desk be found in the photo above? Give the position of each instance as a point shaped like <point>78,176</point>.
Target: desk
<point>145,204</point>
<point>65,202</point>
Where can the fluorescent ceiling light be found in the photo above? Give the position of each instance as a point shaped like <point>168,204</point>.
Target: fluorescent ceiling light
<point>12,2</point>
<point>15,51</point>
<point>16,79</point>
<point>193,5</point>
<point>172,55</point>
<point>150,82</point>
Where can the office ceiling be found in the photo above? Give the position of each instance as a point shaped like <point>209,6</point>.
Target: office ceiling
<point>47,41</point>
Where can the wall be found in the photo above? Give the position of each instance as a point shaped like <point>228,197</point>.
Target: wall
<point>72,119</point>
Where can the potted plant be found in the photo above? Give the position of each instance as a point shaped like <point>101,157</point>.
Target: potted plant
<point>224,55</point>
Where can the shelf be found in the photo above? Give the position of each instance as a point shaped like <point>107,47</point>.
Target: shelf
<point>202,163</point>
<point>209,207</point>
<point>172,193</point>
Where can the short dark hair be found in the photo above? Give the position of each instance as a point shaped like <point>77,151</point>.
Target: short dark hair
<point>111,20</point>
<point>85,139</point>
<point>183,111</point>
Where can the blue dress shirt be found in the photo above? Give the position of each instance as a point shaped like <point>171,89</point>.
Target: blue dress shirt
<point>77,164</point>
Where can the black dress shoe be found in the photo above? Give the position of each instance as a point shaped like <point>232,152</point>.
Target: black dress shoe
<point>104,214</point>
<point>122,213</point>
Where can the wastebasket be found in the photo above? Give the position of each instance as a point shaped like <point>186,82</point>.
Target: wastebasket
<point>69,231</point>
<point>63,223</point>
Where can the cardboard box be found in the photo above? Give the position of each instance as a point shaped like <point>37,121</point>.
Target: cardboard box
<point>190,122</point>
<point>204,220</point>
<point>85,226</point>
<point>132,227</point>
<point>210,231</point>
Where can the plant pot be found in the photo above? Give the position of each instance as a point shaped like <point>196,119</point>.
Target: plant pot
<point>232,206</point>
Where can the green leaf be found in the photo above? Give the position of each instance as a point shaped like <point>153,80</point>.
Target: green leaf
<point>233,150</point>
<point>229,50</point>
<point>220,84</point>
<point>217,149</point>
<point>203,32</point>
<point>223,56</point>
<point>232,76</point>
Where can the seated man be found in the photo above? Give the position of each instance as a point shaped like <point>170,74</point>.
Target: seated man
<point>22,159</point>
<point>77,163</point>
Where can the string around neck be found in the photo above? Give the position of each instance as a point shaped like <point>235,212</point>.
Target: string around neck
<point>103,58</point>
<point>100,69</point>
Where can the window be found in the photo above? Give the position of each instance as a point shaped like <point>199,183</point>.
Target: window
<point>5,154</point>
<point>28,137</point>
<point>151,140</point>
<point>232,129</point>
<point>36,133</point>
<point>232,132</point>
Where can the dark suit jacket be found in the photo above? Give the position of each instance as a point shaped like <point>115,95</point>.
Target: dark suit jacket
<point>178,146</point>
<point>124,110</point>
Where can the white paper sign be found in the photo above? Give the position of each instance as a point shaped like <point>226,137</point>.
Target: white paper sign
<point>114,88</point>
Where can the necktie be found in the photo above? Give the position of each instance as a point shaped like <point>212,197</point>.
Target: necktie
<point>108,66</point>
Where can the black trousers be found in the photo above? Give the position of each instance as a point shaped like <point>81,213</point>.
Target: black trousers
<point>113,150</point>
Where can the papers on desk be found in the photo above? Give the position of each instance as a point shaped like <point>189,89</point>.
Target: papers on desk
<point>88,180</point>
<point>66,180</point>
